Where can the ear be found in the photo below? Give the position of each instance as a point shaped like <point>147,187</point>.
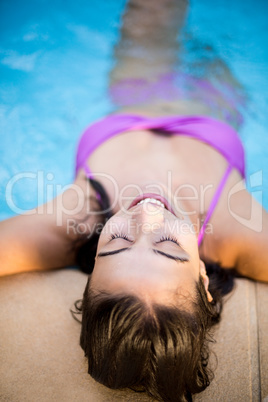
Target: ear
<point>205,278</point>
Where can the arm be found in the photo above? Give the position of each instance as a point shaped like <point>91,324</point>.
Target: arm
<point>253,257</point>
<point>250,236</point>
<point>45,237</point>
<point>30,243</point>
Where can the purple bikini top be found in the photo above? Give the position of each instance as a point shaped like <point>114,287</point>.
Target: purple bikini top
<point>218,134</point>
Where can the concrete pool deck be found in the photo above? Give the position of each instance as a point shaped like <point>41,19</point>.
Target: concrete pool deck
<point>41,360</point>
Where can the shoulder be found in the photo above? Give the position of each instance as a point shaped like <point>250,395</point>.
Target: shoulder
<point>241,233</point>
<point>250,236</point>
<point>79,207</point>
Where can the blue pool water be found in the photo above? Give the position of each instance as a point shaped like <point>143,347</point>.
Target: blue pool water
<point>55,57</point>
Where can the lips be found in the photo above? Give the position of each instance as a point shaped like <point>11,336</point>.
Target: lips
<point>154,196</point>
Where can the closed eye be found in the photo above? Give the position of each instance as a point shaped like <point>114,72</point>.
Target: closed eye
<point>168,238</point>
<point>120,236</point>
<point>163,239</point>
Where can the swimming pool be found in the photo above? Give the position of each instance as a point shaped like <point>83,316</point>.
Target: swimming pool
<point>54,64</point>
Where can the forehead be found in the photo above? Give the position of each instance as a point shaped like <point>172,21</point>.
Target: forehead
<point>143,274</point>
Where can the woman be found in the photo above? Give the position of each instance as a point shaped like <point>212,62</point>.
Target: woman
<point>155,196</point>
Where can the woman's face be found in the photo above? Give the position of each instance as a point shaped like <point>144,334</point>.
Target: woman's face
<point>148,251</point>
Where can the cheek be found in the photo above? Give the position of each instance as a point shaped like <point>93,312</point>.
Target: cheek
<point>187,237</point>
<point>185,231</point>
<point>112,226</point>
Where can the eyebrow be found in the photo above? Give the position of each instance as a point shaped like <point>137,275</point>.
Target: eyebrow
<point>172,257</point>
<point>106,253</point>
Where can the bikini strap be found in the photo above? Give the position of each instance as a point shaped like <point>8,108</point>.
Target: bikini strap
<point>213,204</point>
